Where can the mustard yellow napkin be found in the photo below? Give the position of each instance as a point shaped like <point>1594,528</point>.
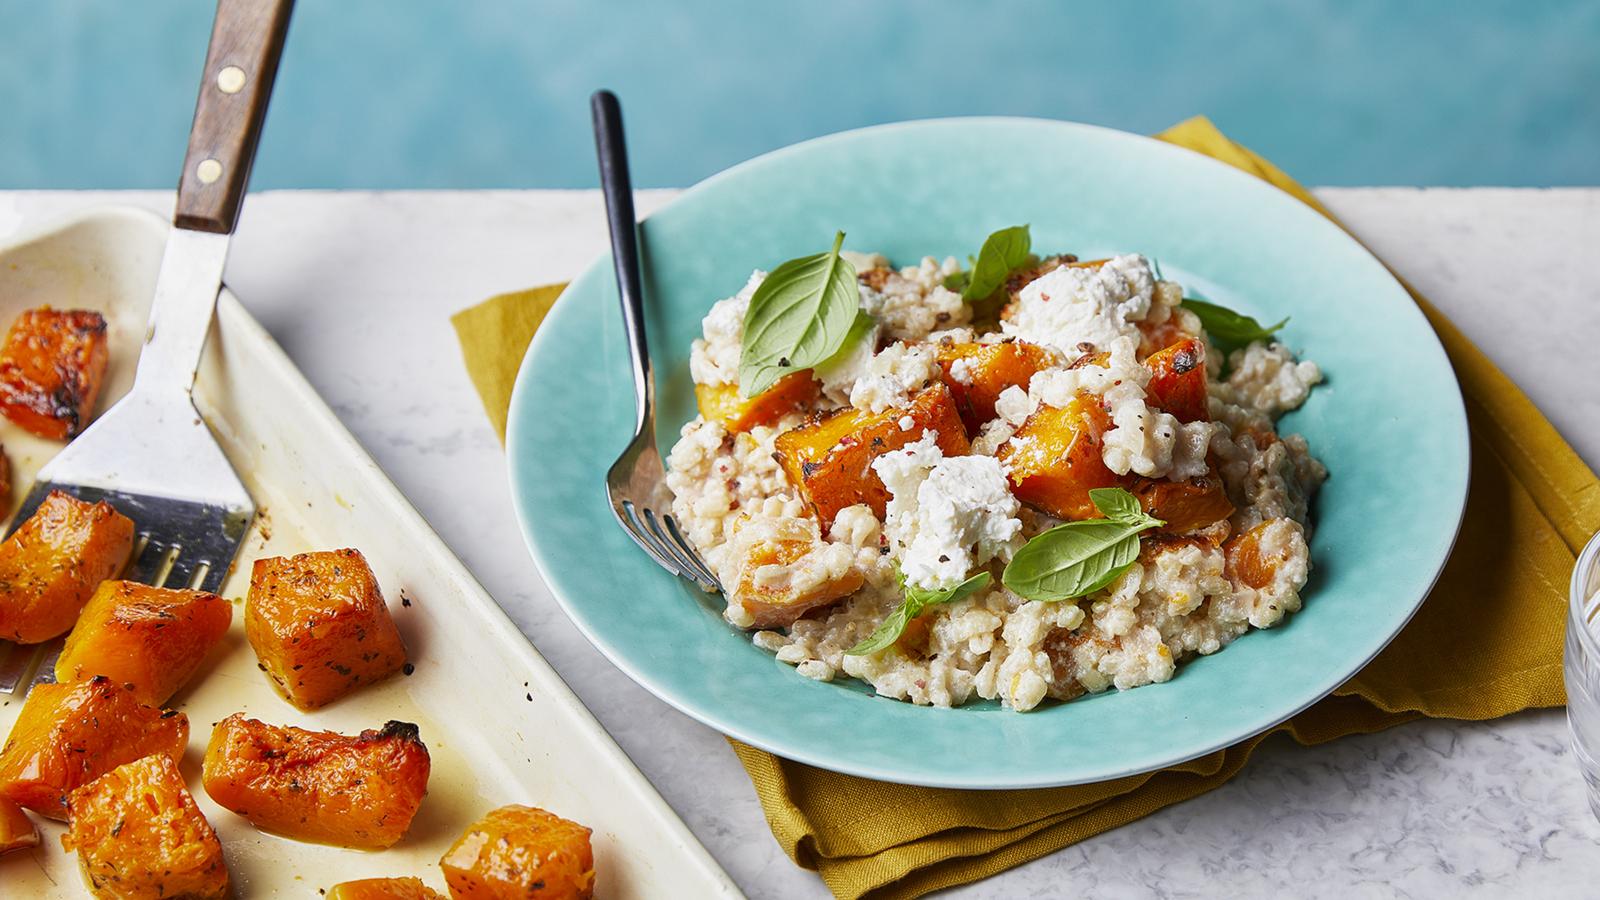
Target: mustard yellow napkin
<point>1486,643</point>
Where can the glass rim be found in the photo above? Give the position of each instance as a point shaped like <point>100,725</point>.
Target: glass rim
<point>1579,593</point>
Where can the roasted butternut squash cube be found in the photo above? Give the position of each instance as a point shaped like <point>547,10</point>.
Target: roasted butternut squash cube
<point>17,831</point>
<point>52,563</point>
<point>977,373</point>
<point>51,369</point>
<point>521,852</point>
<point>1250,562</point>
<point>152,639</point>
<point>359,791</point>
<point>1157,336</point>
<point>319,625</point>
<point>830,459</point>
<point>67,735</point>
<point>913,642</point>
<point>383,889</point>
<point>721,402</point>
<point>139,835</point>
<point>1053,459</point>
<point>785,570</point>
<point>1184,505</point>
<point>1178,381</point>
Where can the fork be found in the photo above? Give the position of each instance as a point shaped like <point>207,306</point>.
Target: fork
<point>151,456</point>
<point>636,484</point>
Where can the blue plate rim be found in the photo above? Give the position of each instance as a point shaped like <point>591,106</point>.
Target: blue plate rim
<point>600,267</point>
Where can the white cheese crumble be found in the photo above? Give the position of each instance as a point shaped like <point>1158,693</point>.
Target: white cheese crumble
<point>714,358</point>
<point>1069,306</point>
<point>947,515</point>
<point>840,372</point>
<point>893,375</point>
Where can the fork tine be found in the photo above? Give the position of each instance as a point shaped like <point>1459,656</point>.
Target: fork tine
<point>637,530</point>
<point>686,569</point>
<point>686,549</point>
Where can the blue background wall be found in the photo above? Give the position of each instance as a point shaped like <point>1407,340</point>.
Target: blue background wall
<point>482,93</point>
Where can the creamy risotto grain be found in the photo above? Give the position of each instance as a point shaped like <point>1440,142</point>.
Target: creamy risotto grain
<point>946,516</point>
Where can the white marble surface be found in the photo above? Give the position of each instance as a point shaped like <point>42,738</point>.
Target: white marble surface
<point>359,286</point>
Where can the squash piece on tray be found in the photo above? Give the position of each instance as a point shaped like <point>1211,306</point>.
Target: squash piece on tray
<point>521,852</point>
<point>138,834</point>
<point>319,625</point>
<point>359,791</point>
<point>51,565</point>
<point>1178,381</point>
<point>383,889</point>
<point>17,831</point>
<point>721,402</point>
<point>148,637</point>
<point>977,373</point>
<point>67,735</point>
<point>1054,458</point>
<point>52,366</point>
<point>830,459</point>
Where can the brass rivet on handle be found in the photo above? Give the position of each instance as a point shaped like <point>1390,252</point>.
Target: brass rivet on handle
<point>230,80</point>
<point>208,170</point>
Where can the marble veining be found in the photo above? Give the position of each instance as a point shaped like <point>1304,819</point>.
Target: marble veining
<point>358,287</point>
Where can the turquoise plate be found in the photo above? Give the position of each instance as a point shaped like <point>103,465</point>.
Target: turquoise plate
<point>1389,424</point>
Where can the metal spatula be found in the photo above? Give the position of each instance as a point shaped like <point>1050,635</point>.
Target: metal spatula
<point>150,455</point>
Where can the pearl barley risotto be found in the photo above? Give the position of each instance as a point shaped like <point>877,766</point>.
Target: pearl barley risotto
<point>842,505</point>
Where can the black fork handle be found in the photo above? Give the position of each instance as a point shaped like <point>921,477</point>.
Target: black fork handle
<point>615,183</point>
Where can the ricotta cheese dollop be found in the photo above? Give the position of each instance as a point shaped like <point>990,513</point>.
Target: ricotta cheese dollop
<point>714,357</point>
<point>1069,306</point>
<point>948,515</point>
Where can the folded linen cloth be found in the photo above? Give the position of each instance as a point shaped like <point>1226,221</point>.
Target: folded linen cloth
<point>1486,643</point>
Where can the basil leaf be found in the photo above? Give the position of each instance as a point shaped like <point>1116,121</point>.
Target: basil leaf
<point>797,318</point>
<point>1229,330</point>
<point>917,600</point>
<point>958,282</point>
<point>1116,504</point>
<point>1078,558</point>
<point>925,598</point>
<point>1002,251</point>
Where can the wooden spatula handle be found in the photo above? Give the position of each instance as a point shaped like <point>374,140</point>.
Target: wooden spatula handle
<point>246,41</point>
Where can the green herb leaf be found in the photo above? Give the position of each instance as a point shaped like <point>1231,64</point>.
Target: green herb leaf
<point>1229,330</point>
<point>1002,251</point>
<point>1117,504</point>
<point>797,318</point>
<point>959,281</point>
<point>917,600</point>
<point>1078,558</point>
<point>860,332</point>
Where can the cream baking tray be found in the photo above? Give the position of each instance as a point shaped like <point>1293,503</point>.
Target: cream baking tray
<point>500,725</point>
